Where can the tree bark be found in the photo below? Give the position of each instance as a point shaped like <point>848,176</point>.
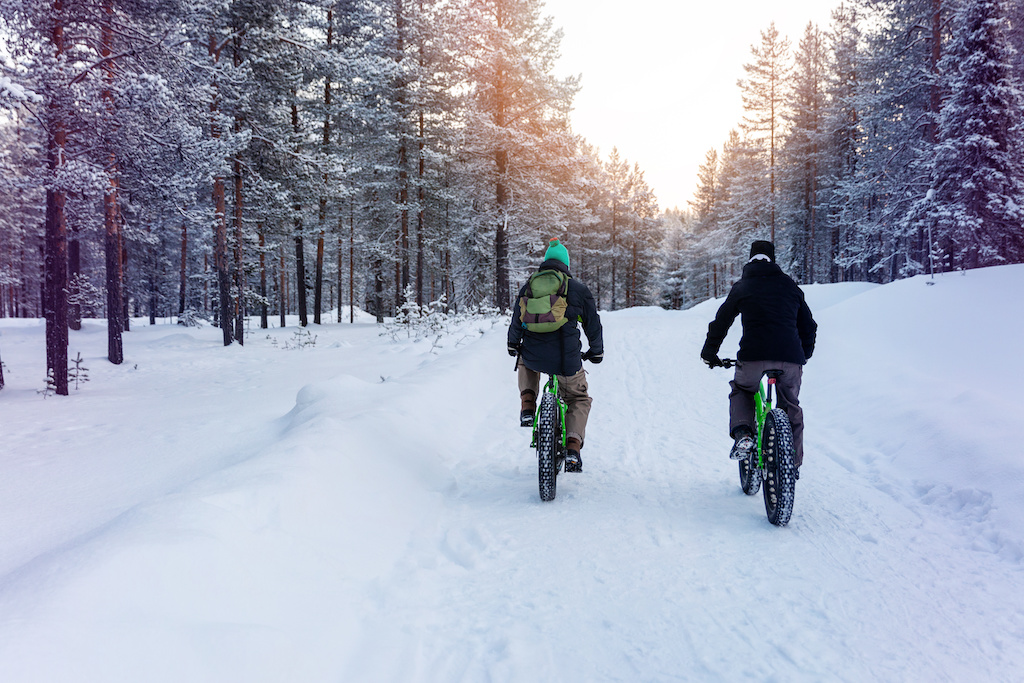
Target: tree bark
<point>300,274</point>
<point>113,247</point>
<point>220,253</point>
<point>283,288</point>
<point>55,233</point>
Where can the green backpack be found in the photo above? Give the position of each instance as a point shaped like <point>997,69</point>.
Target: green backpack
<point>542,306</point>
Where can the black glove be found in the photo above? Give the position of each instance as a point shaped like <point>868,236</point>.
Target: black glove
<point>594,358</point>
<point>513,350</point>
<point>712,360</point>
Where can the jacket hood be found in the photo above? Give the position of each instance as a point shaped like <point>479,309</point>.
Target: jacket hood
<point>761,269</point>
<point>555,264</point>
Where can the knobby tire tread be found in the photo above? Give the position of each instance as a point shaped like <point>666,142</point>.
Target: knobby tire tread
<point>780,472</point>
<point>547,447</point>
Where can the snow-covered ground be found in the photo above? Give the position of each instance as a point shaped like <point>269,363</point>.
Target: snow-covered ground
<point>367,510</point>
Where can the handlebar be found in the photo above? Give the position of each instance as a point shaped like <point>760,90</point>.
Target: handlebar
<point>726,363</point>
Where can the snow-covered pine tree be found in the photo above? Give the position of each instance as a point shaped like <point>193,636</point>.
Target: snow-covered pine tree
<point>847,204</point>
<point>975,205</point>
<point>517,117</point>
<point>802,163</point>
<point>764,104</point>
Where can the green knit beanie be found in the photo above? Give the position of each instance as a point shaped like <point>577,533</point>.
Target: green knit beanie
<point>556,250</point>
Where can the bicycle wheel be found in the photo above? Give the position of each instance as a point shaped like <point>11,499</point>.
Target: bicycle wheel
<point>547,446</point>
<point>750,477</point>
<point>780,473</point>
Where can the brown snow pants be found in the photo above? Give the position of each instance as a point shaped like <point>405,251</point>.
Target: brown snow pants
<point>787,389</point>
<point>573,391</point>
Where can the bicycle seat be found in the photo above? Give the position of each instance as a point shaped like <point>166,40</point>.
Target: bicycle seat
<point>774,374</point>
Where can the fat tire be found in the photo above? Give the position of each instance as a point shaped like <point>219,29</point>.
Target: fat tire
<point>780,472</point>
<point>547,447</point>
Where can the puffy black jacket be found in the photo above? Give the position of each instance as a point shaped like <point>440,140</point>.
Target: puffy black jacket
<point>559,352</point>
<point>777,324</point>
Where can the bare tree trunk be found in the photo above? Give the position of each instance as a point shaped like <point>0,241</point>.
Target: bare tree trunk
<point>283,287</point>
<point>239,202</point>
<point>113,243</point>
<point>300,274</point>
<point>319,287</point>
<point>55,240</point>
<point>220,253</point>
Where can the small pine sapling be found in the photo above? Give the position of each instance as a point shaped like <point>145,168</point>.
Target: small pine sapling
<point>78,373</point>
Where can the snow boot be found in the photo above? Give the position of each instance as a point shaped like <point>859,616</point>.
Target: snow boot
<point>573,460</point>
<point>529,409</point>
<point>744,444</point>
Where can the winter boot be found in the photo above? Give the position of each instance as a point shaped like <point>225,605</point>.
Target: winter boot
<point>573,460</point>
<point>529,409</point>
<point>744,444</point>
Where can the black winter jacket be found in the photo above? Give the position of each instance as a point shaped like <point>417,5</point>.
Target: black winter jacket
<point>559,352</point>
<point>777,324</point>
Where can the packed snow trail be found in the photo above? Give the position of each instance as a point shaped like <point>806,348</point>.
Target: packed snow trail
<point>392,530</point>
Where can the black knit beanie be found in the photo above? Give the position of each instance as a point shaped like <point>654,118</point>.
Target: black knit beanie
<point>763,247</point>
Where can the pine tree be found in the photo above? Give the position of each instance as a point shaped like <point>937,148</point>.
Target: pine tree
<point>803,152</point>
<point>764,103</point>
<point>518,114</point>
<point>976,204</point>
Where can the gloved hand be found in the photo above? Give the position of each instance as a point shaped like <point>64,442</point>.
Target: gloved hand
<point>712,360</point>
<point>513,350</point>
<point>594,358</point>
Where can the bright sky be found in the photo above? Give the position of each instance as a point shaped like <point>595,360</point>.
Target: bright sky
<point>659,76</point>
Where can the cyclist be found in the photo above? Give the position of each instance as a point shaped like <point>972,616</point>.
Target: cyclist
<point>558,352</point>
<point>778,332</point>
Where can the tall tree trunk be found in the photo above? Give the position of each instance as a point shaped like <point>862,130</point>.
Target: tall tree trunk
<point>236,55</point>
<point>300,259</point>
<point>55,240</point>
<point>113,242</point>
<point>300,274</point>
<point>220,226</point>
<point>319,290</point>
<point>283,288</point>
<point>55,304</point>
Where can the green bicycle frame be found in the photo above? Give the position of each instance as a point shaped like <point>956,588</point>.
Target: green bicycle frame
<point>762,406</point>
<point>551,387</point>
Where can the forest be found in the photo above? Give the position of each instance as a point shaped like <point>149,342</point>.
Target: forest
<point>240,161</point>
